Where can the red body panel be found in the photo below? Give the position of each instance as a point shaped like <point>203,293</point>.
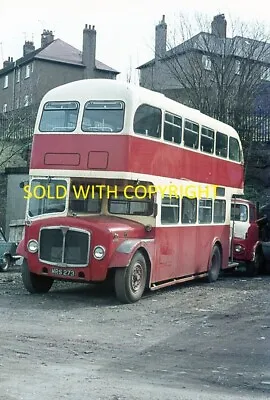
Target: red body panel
<point>131,154</point>
<point>252,236</point>
<point>169,249</point>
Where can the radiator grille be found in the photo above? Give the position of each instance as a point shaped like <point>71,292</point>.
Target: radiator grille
<point>64,246</point>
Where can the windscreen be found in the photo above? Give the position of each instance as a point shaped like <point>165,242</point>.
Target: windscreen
<point>47,196</point>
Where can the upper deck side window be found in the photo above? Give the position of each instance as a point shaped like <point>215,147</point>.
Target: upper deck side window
<point>235,153</point>
<point>59,116</point>
<point>147,121</point>
<point>191,134</point>
<point>103,116</point>
<point>221,145</point>
<point>172,128</point>
<point>207,140</point>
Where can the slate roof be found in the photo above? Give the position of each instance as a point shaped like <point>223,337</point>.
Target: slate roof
<point>57,51</point>
<point>238,46</point>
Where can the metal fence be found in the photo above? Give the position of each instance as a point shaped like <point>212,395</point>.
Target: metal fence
<point>250,126</point>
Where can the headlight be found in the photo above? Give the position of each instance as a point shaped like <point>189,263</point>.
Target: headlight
<point>238,248</point>
<point>99,252</point>
<point>32,246</point>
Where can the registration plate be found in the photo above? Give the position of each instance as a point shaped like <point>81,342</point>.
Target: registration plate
<point>62,272</point>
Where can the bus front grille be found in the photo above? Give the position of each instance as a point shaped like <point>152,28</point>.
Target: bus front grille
<point>64,246</point>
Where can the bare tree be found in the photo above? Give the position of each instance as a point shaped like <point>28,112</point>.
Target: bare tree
<point>132,75</point>
<point>16,130</point>
<point>219,75</point>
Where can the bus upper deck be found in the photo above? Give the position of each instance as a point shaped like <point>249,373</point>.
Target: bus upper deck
<point>98,126</point>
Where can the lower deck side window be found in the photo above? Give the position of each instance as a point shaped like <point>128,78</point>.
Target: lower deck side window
<point>205,211</point>
<point>170,210</point>
<point>189,210</point>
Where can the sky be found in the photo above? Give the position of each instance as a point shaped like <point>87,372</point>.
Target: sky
<point>125,29</point>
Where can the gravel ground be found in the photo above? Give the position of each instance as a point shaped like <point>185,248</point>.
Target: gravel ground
<point>191,341</point>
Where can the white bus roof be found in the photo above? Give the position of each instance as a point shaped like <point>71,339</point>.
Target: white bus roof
<point>108,89</point>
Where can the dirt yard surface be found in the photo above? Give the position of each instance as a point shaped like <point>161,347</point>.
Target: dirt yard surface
<point>194,341</point>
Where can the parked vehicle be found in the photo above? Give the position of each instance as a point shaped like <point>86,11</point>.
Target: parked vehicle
<point>8,255</point>
<point>248,232</point>
<point>105,136</point>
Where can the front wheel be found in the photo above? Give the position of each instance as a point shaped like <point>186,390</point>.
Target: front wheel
<point>130,282</point>
<point>6,264</point>
<point>35,283</point>
<point>254,267</point>
<point>215,265</point>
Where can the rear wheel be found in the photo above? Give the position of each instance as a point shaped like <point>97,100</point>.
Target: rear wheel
<point>130,282</point>
<point>35,283</point>
<point>215,265</point>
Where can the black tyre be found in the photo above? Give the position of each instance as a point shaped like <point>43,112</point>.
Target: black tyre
<point>130,282</point>
<point>215,265</point>
<point>255,266</point>
<point>6,264</point>
<point>35,283</point>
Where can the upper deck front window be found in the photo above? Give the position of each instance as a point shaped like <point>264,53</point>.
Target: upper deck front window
<point>59,116</point>
<point>103,116</point>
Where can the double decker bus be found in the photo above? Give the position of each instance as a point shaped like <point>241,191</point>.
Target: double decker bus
<point>120,187</point>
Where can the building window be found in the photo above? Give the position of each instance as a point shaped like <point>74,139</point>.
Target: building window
<point>18,75</point>
<point>237,67</point>
<point>207,64</point>
<point>27,71</point>
<point>32,67</point>
<point>26,100</point>
<point>6,82</point>
<point>266,74</point>
<point>4,108</point>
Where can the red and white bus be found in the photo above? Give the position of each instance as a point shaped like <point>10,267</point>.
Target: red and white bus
<point>104,132</point>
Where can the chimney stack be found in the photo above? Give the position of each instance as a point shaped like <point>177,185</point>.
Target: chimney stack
<point>89,51</point>
<point>28,47</point>
<point>8,62</point>
<point>219,26</point>
<point>161,39</point>
<point>47,37</point>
